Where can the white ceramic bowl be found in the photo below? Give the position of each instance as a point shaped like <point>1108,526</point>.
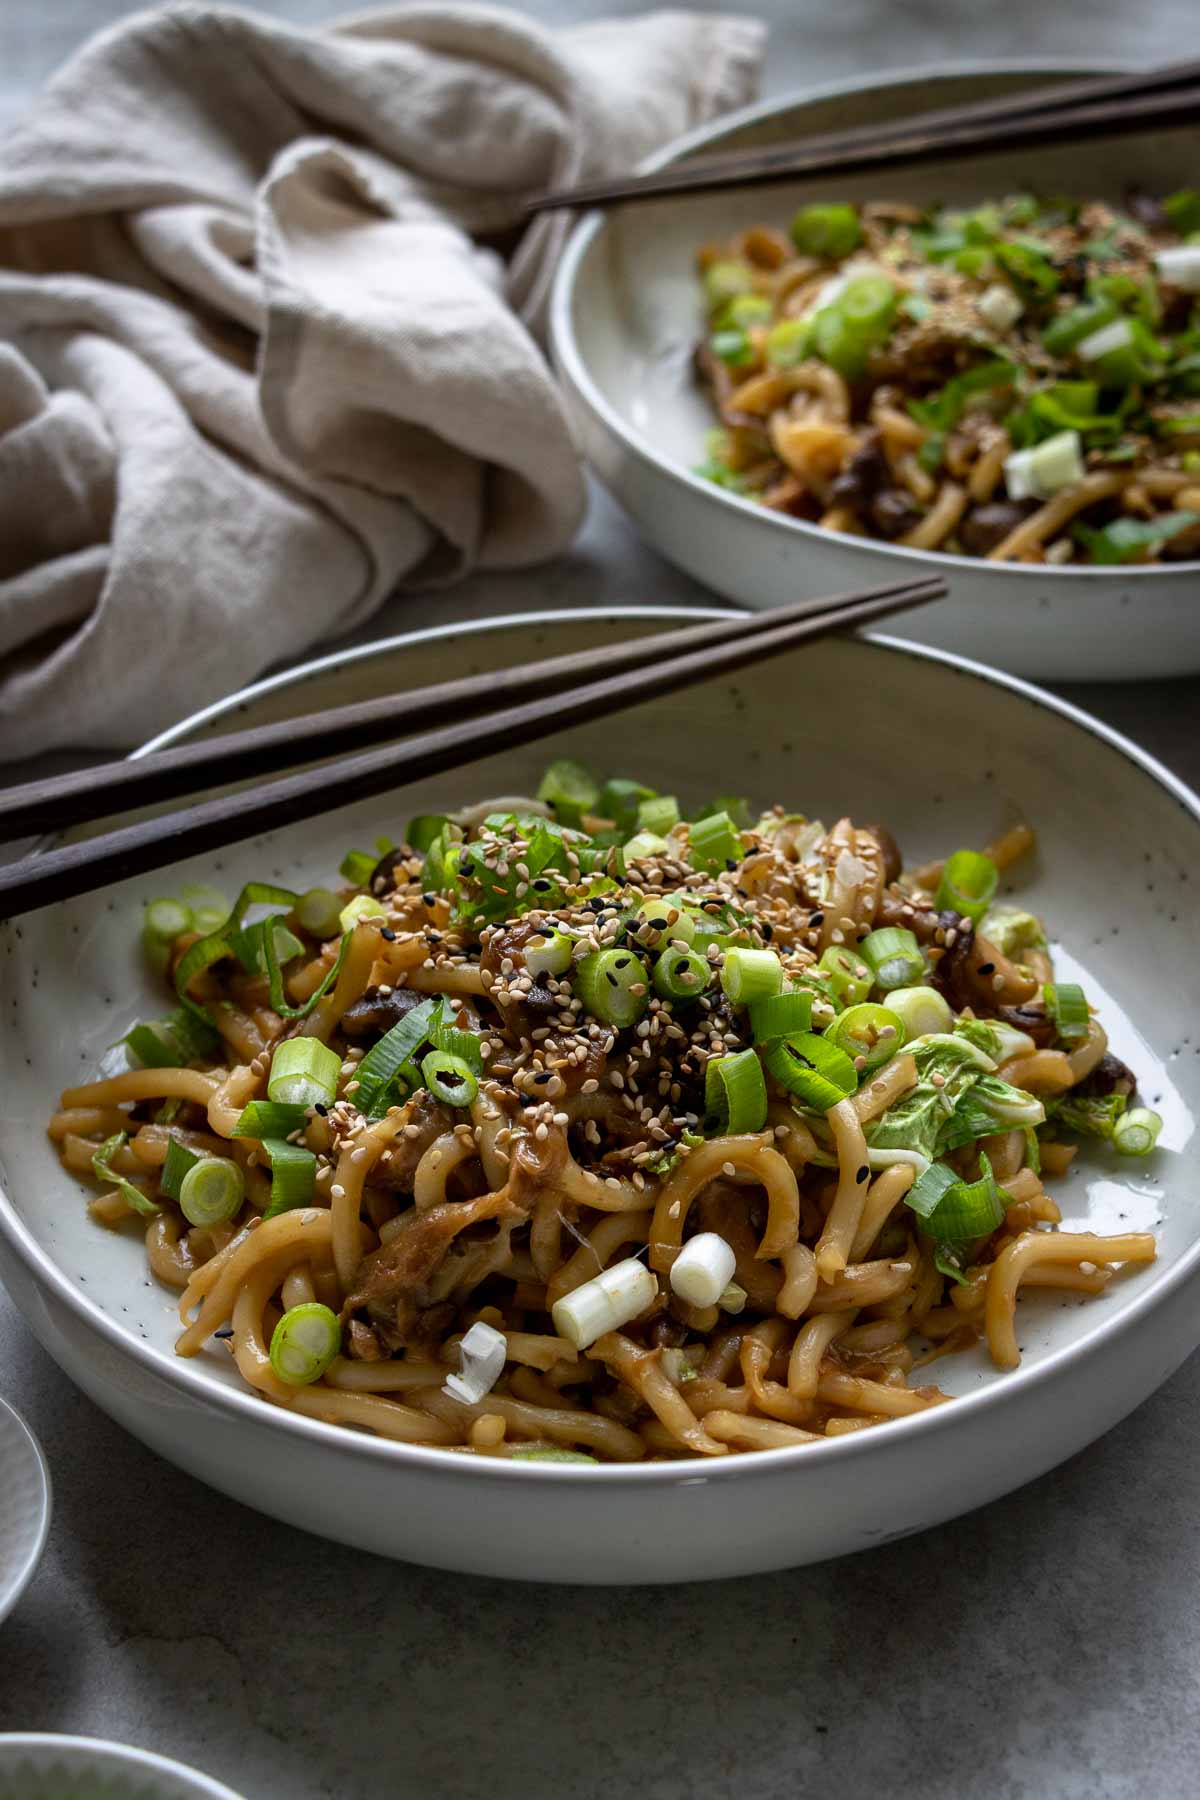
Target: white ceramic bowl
<point>946,753</point>
<point>24,1507</point>
<point>42,1766</point>
<point>625,317</point>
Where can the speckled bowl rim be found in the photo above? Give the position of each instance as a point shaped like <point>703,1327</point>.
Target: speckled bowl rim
<point>570,359</point>
<point>47,1512</point>
<point>196,1383</point>
<point>113,1756</point>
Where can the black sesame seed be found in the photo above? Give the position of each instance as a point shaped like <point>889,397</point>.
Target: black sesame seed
<point>816,919</point>
<point>226,1331</point>
<point>988,968</point>
<point>863,1174</point>
<point>388,934</point>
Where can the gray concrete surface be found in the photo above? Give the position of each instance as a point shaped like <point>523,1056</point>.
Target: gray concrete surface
<point>1045,1646</point>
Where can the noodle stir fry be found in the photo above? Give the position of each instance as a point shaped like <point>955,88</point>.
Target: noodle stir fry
<point>570,1129</point>
<point>1019,383</point>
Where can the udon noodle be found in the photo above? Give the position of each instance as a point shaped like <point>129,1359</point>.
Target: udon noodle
<point>570,1130</point>
<point>1017,382</point>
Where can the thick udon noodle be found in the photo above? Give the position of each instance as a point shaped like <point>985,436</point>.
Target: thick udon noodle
<point>496,1213</point>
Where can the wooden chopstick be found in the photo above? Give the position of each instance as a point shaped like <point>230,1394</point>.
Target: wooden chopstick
<point>103,789</point>
<point>1096,107</point>
<point>72,869</point>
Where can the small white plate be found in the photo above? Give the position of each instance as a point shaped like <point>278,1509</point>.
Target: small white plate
<point>41,1766</point>
<point>24,1508</point>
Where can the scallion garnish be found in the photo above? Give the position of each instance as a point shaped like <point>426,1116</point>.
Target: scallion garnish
<point>681,975</point>
<point>357,867</point>
<point>376,1075</point>
<point>101,1162</point>
<point>658,814</point>
<point>162,922</point>
<point>612,985</point>
<point>1136,1132</point>
<point>250,944</point>
<point>569,790</point>
<point>304,1072</point>
<point>420,832</point>
<point>780,1014</point>
<point>846,974</point>
<point>956,1211</point>
<point>831,231</point>
<point>548,952</point>
<point>619,801</point>
<point>449,1078</point>
<point>182,1037</point>
<point>748,975</point>
<point>363,906</point>
<point>893,956</point>
<point>317,911</point>
<point>212,1191</point>
<point>270,1119</point>
<point>1067,1005</point>
<point>304,1343</point>
<point>968,884</point>
<point>293,1175</point>
<point>735,1094</point>
<point>215,947</point>
<point>872,1033</point>
<point>713,843</point>
<point>808,1066</point>
<point>179,1160</point>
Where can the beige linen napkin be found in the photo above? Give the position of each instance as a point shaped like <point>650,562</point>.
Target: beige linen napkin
<point>261,358</point>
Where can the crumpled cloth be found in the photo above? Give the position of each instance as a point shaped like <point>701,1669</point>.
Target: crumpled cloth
<point>266,331</point>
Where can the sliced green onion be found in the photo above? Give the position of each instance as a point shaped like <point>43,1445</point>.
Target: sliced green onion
<point>549,952</point>
<point>893,956</point>
<point>182,1037</point>
<point>921,1010</point>
<point>212,1191</point>
<point>734,1299</point>
<point>304,1072</point>
<point>178,1161</point>
<point>643,844</point>
<point>665,917</point>
<point>605,982</point>
<point>318,912</point>
<point>304,1343</point>
<point>789,343</point>
<point>363,906</point>
<point>250,944</point>
<point>1071,328</point>
<point>735,1094</point>
<point>681,975</point>
<point>779,1015</point>
<point>733,347</point>
<point>831,231</point>
<point>215,947</point>
<point>968,885</point>
<point>420,832</point>
<point>209,906</point>
<point>465,1045</point>
<point>619,801</point>
<point>270,1119</point>
<point>956,1211</point>
<point>569,790</point>
<point>549,1453</point>
<point>1136,1133</point>
<point>659,814</point>
<point>377,1072</point>
<point>725,279</point>
<point>807,1065</point>
<point>449,1078</point>
<point>293,1175</point>
<point>357,867</point>
<point>131,1195</point>
<point>713,843</point>
<point>162,922</point>
<point>279,1000</point>
<point>1067,1004</point>
<point>873,1033</point>
<point>748,975</point>
<point>848,976</point>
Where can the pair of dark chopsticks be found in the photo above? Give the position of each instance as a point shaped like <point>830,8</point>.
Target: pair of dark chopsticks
<point>492,712</point>
<point>1075,111</point>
